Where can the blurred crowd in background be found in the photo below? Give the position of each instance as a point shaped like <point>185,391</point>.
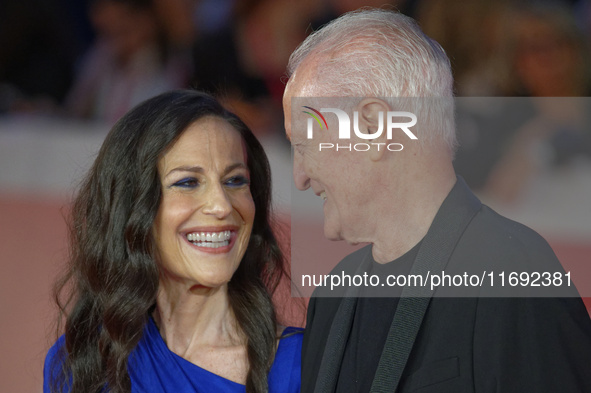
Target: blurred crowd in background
<point>95,59</point>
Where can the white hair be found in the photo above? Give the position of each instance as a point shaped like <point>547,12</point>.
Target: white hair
<point>381,53</point>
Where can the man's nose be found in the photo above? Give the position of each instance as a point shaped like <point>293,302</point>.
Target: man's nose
<point>301,179</point>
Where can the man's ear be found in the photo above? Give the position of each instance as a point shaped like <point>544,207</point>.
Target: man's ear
<point>372,120</point>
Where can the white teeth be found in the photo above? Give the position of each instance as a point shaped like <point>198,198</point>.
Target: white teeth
<point>211,238</point>
<point>323,195</point>
<point>212,244</point>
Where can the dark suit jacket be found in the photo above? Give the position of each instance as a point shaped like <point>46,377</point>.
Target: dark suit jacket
<point>479,343</point>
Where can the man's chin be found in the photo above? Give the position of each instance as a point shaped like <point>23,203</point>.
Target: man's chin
<point>331,233</point>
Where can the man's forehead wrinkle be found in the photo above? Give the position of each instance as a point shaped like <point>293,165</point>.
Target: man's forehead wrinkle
<point>305,78</point>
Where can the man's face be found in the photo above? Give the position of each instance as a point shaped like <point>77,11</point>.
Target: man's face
<point>336,177</point>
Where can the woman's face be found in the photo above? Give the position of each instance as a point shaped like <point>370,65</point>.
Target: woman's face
<point>206,213</point>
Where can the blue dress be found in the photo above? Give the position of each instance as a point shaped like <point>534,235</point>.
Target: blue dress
<point>155,368</point>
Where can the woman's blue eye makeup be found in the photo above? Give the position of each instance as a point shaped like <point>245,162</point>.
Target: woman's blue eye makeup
<point>237,181</point>
<point>188,182</point>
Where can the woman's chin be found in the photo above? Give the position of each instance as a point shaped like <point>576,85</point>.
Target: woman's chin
<point>209,287</point>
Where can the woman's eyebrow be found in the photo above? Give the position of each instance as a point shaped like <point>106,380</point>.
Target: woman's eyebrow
<point>198,169</point>
<point>195,169</point>
<point>237,165</point>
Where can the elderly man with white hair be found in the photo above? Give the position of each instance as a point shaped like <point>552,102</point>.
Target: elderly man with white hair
<point>419,218</point>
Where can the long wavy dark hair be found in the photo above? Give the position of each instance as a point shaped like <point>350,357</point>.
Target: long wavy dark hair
<point>112,270</point>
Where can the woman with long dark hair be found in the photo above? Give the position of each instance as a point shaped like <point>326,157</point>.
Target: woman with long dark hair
<point>173,261</point>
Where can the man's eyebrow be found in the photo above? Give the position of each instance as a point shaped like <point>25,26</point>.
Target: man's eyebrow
<point>198,169</point>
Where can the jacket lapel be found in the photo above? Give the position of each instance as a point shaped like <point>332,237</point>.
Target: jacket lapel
<point>451,220</point>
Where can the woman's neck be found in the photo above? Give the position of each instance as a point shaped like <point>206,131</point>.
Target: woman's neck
<point>193,318</point>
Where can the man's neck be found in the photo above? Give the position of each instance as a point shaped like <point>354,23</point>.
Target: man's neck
<point>399,232</point>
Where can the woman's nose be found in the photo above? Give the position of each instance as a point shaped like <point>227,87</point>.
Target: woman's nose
<point>217,202</point>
